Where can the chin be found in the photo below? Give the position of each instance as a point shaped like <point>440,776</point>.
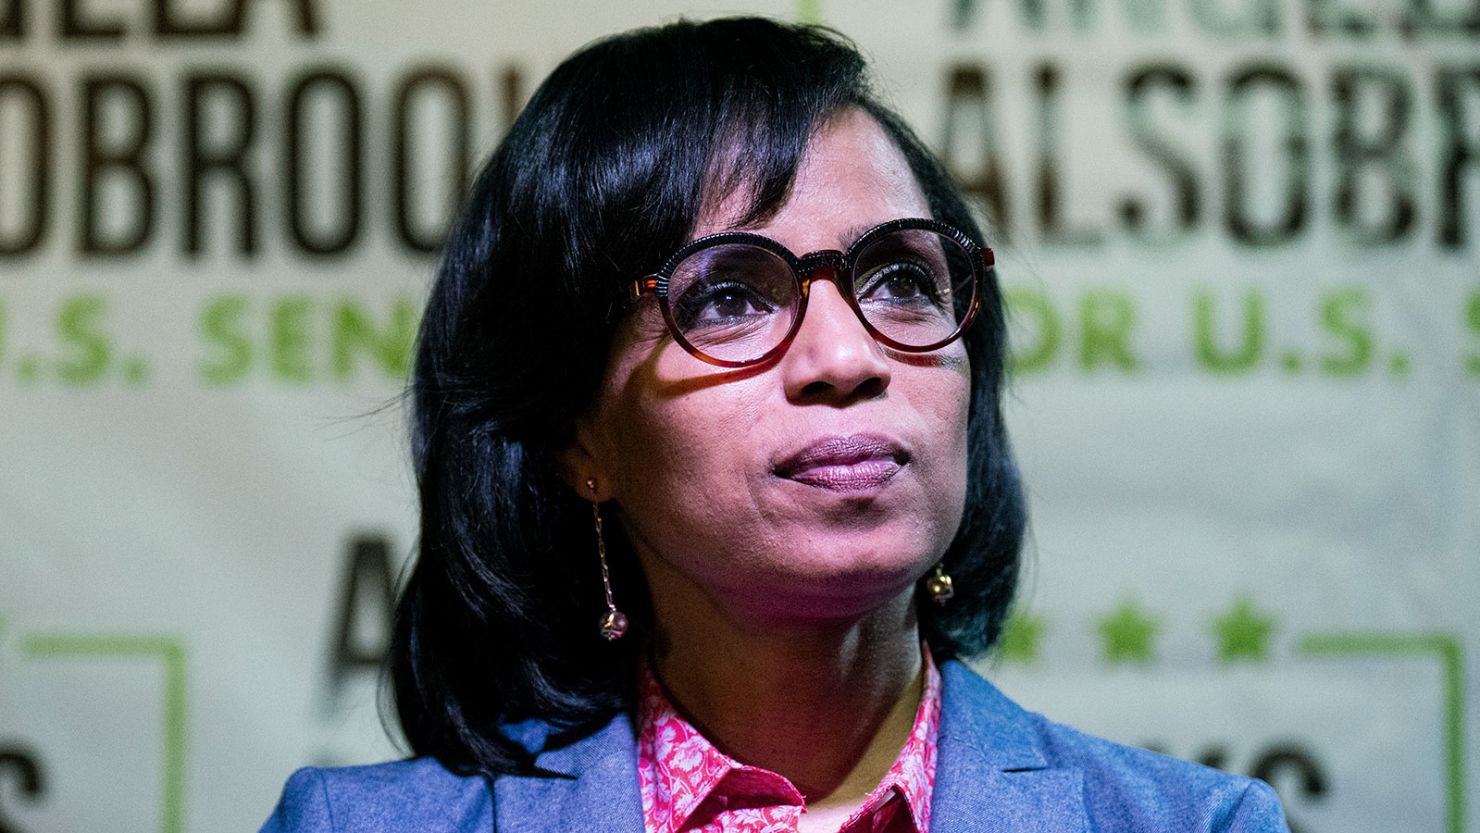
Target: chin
<point>834,588</point>
<point>804,611</point>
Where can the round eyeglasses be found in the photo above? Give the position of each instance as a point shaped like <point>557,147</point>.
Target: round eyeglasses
<point>736,299</point>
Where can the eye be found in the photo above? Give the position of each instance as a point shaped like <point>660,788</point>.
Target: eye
<point>901,281</point>
<point>720,301</point>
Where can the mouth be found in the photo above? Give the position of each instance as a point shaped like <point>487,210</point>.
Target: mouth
<point>846,463</point>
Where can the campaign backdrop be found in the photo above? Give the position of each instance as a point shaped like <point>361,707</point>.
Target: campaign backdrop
<point>1239,240</point>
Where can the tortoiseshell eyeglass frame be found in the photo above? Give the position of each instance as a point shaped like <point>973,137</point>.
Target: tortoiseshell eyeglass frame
<point>825,264</point>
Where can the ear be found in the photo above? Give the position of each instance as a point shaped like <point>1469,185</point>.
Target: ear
<point>581,464</point>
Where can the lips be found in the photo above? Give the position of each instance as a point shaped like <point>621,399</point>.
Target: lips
<point>848,463</point>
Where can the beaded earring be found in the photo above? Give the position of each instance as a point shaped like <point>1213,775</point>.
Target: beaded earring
<point>613,622</point>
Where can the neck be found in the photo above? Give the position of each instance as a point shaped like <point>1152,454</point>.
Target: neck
<point>827,705</point>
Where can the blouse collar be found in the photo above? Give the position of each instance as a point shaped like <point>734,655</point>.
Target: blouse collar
<point>686,780</point>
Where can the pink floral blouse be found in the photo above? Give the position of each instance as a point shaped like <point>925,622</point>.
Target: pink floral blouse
<point>689,786</point>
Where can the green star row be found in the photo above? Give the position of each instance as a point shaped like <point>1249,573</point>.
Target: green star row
<point>1128,634</point>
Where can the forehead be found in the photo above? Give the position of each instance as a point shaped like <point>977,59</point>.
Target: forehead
<point>851,177</point>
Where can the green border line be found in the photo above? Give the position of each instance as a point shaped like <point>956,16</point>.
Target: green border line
<point>169,650</point>
<point>809,11</point>
<point>1446,646</point>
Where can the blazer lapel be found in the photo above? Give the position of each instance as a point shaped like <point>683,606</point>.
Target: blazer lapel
<point>991,775</point>
<point>599,792</point>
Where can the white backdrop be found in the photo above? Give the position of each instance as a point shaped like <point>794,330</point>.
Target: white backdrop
<point>1240,243</point>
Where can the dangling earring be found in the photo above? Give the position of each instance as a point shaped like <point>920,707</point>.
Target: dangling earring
<point>613,622</point>
<point>939,585</point>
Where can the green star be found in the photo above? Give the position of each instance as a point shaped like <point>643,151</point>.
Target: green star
<point>1020,638</point>
<point>1128,632</point>
<point>1243,633</point>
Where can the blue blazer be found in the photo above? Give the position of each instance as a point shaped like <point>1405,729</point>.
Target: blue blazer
<point>999,768</point>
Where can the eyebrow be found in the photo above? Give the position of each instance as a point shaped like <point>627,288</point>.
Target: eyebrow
<point>852,233</point>
<point>846,238</point>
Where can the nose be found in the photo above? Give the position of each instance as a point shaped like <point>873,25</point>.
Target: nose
<point>833,358</point>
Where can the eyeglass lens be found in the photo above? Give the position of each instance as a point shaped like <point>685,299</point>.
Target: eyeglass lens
<point>737,301</point>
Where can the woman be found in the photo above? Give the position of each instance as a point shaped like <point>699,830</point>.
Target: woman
<point>715,488</point>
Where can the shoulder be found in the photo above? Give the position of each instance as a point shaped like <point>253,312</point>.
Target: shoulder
<point>1122,787</point>
<point>1151,791</point>
<point>418,794</point>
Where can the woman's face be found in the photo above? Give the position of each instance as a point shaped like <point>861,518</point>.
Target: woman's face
<point>817,487</point>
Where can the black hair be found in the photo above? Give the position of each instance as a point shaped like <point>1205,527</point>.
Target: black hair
<point>603,175</point>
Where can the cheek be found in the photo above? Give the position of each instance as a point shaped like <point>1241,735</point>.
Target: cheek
<point>685,490</point>
<point>943,394</point>
<point>669,421</point>
<point>679,460</point>
<point>945,406</point>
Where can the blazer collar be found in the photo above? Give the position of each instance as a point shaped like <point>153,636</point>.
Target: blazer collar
<point>992,774</point>
<point>598,791</point>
